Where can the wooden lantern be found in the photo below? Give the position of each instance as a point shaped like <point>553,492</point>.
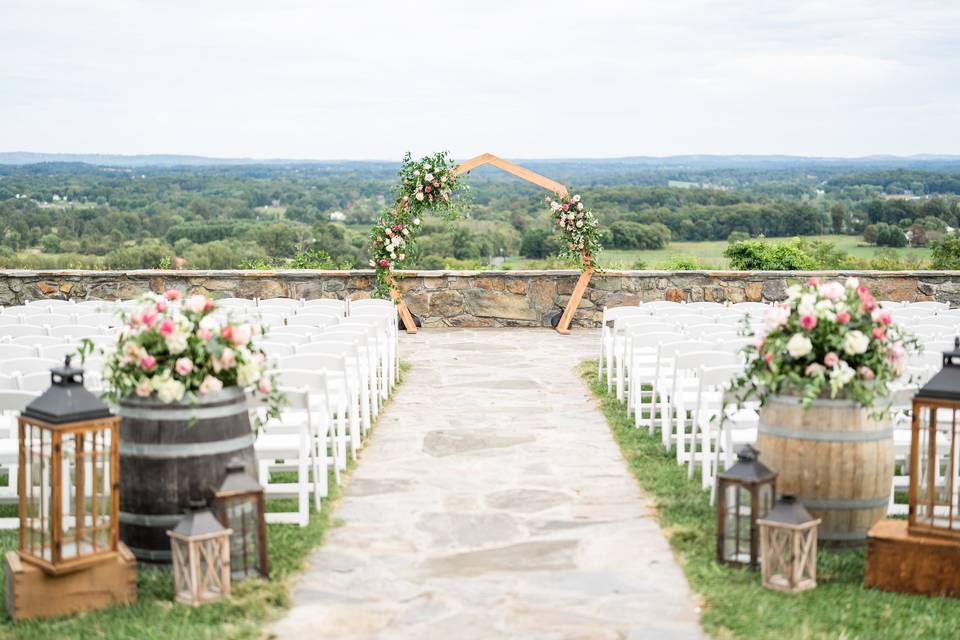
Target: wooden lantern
<point>68,477</point>
<point>934,456</point>
<point>745,493</point>
<point>200,550</point>
<point>788,547</point>
<point>239,506</point>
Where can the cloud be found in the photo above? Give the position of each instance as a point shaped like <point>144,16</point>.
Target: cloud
<point>371,79</point>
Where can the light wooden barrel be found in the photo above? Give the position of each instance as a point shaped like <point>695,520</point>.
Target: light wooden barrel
<point>170,454</point>
<point>835,458</point>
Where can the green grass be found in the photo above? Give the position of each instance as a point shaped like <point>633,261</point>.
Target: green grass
<point>710,253</point>
<point>733,603</point>
<point>252,603</point>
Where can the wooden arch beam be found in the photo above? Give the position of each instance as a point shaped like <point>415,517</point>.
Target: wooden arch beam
<point>513,169</point>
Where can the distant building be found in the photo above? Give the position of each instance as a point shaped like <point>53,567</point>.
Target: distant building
<point>337,216</point>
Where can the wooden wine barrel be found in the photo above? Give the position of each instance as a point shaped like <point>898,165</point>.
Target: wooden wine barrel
<point>835,458</point>
<point>164,460</point>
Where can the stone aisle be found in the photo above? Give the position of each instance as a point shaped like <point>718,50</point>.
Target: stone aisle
<point>492,502</point>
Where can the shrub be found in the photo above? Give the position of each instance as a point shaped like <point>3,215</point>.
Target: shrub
<point>887,259</point>
<point>682,263</point>
<point>889,235</point>
<point>639,264</point>
<point>737,236</point>
<point>627,234</point>
<point>760,255</point>
<point>945,253</point>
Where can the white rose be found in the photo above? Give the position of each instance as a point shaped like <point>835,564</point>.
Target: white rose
<point>211,323</point>
<point>416,222</point>
<point>579,224</point>
<point>247,374</point>
<point>176,342</point>
<point>443,178</point>
<point>855,342</point>
<point>799,345</point>
<point>853,283</point>
<point>842,373</point>
<point>419,196</point>
<point>576,198</point>
<point>406,231</point>
<point>428,177</point>
<point>242,334</point>
<point>196,303</point>
<point>579,206</point>
<point>400,257</point>
<point>427,167</point>
<point>170,391</point>
<point>793,292</point>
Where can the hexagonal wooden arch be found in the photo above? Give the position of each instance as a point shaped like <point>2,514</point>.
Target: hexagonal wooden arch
<point>563,326</point>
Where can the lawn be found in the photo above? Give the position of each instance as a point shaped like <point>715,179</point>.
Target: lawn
<point>734,605</point>
<point>709,254</point>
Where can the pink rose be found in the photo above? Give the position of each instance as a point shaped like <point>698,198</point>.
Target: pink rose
<point>881,316</point>
<point>147,362</point>
<point>258,357</point>
<point>172,294</point>
<point>813,368</point>
<point>384,263</point>
<point>210,385</point>
<point>183,366</point>
<point>148,317</point>
<point>843,317</point>
<point>879,333</point>
<point>227,333</point>
<point>204,334</point>
<point>768,357</point>
<point>428,188</point>
<point>812,282</point>
<point>161,306</point>
<point>808,322</point>
<point>242,334</point>
<point>866,372</point>
<point>566,207</point>
<point>831,359</point>
<point>167,327</point>
<point>265,387</point>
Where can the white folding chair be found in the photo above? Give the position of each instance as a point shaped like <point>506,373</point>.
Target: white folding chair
<point>77,331</point>
<point>10,319</point>
<point>365,338</point>
<point>280,451</point>
<point>279,305</point>
<point>385,328</point>
<point>57,352</point>
<point>313,320</point>
<point>100,319</point>
<point>11,404</point>
<point>642,373</point>
<point>285,338</point>
<point>688,359</point>
<point>624,328</point>
<point>712,408</point>
<point>607,347</point>
<point>38,341</point>
<point>356,369</point>
<point>21,330</point>
<point>48,320</point>
<point>10,351</point>
<point>27,310</point>
<point>36,382</point>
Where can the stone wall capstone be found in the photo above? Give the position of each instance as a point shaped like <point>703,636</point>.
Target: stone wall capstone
<point>473,298</point>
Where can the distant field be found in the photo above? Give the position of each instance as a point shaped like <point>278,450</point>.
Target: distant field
<point>710,254</point>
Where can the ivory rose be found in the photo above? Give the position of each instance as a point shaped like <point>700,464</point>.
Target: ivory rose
<point>799,346</point>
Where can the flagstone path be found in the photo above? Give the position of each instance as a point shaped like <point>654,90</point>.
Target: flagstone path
<point>492,502</point>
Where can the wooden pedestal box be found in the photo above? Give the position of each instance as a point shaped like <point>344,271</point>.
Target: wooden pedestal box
<point>31,593</point>
<point>905,563</point>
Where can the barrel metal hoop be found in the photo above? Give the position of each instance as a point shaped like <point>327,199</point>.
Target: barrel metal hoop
<point>183,415</point>
<point>168,520</point>
<point>151,554</point>
<point>187,449</point>
<point>822,402</point>
<point>827,436</point>
<point>843,503</point>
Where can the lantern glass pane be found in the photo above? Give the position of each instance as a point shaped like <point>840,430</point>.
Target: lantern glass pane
<point>736,524</point>
<point>938,481</point>
<point>38,508</point>
<point>765,499</point>
<point>211,568</point>
<point>85,493</point>
<point>242,517</point>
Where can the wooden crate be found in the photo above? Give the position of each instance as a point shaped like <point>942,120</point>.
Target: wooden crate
<point>32,593</point>
<point>906,563</point>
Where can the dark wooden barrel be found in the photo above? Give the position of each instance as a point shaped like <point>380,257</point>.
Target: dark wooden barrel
<point>164,460</point>
<point>835,458</point>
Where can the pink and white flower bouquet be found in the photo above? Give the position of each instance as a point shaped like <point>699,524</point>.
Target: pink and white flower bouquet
<point>827,340</point>
<point>174,349</point>
<point>580,228</point>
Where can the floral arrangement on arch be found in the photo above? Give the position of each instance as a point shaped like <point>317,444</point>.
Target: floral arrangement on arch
<point>580,229</point>
<point>174,349</point>
<point>426,185</point>
<point>827,340</point>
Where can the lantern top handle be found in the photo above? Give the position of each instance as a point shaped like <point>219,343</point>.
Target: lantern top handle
<point>67,374</point>
<point>747,453</point>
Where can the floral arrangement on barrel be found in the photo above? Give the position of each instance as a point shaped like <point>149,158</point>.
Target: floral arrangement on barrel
<point>827,340</point>
<point>427,185</point>
<point>580,229</point>
<point>174,349</point>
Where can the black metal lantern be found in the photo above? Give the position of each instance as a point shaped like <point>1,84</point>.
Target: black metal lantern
<point>934,475</point>
<point>239,505</point>
<point>68,476</point>
<point>745,492</point>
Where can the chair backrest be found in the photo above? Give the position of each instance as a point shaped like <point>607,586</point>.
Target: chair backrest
<point>28,365</point>
<point>943,320</point>
<point>18,330</point>
<point>311,379</point>
<point>15,399</point>
<point>612,313</point>
<point>660,304</point>
<point>286,338</point>
<point>278,304</point>
<point>9,319</point>
<point>38,341</point>
<point>276,349</point>
<point>929,304</point>
<point>685,345</point>
<point>693,360</point>
<point>37,382</point>
<point>313,320</point>
<point>702,306</point>
<point>750,307</point>
<point>268,319</point>
<point>8,382</point>
<point>650,340</point>
<point>77,331</point>
<point>314,362</point>
<point>234,303</point>
<point>97,306</point>
<point>371,302</point>
<point>335,347</point>
<point>330,304</point>
<point>295,330</point>
<point>58,352</point>
<point>713,376</point>
<point>100,319</point>
<point>48,320</point>
<point>27,310</point>
<point>10,351</point>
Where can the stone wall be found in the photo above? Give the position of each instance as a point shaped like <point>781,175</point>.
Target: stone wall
<point>472,298</point>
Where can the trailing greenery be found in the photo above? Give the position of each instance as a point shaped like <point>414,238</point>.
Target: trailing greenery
<point>733,604</point>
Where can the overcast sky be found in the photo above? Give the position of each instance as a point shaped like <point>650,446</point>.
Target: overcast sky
<point>590,78</point>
